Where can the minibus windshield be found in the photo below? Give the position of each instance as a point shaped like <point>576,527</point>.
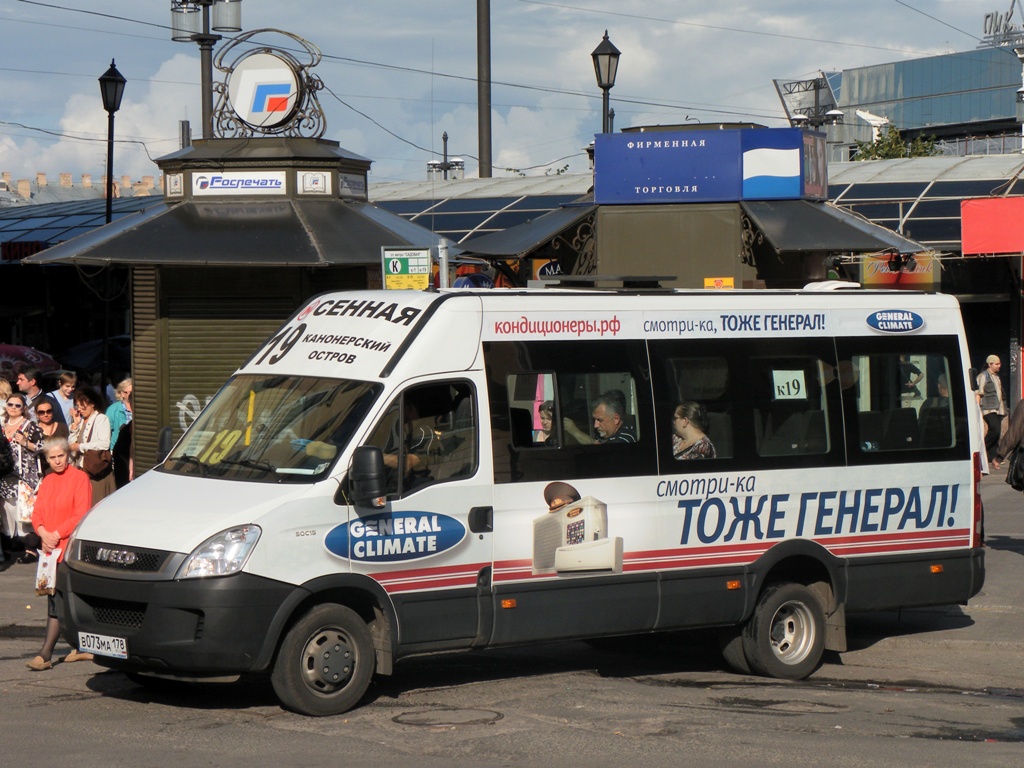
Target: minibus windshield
<point>273,429</point>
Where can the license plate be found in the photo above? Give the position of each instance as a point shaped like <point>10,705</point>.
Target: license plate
<point>103,645</point>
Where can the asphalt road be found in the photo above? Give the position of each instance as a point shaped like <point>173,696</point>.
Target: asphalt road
<point>929,687</point>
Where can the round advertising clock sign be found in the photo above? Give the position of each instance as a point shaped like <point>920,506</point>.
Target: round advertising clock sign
<point>264,90</point>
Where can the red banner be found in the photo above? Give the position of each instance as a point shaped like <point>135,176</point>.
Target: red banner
<point>992,225</point>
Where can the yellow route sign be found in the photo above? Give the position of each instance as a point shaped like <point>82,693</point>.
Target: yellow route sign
<point>406,269</point>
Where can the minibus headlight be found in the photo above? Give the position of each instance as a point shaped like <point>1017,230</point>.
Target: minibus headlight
<point>221,555</point>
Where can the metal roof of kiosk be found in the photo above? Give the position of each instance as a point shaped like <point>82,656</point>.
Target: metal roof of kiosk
<point>270,201</point>
<point>802,225</point>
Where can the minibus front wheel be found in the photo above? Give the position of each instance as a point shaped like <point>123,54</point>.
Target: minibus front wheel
<point>785,637</point>
<point>325,662</point>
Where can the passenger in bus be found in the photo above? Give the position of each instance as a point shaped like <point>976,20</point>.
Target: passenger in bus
<point>689,432</point>
<point>546,412</point>
<point>609,421</point>
<point>941,399</point>
<point>417,441</point>
<point>910,377</point>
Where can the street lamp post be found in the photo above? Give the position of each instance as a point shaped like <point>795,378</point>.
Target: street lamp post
<point>111,89</point>
<point>112,85</point>
<point>606,65</point>
<point>441,167</point>
<point>192,21</point>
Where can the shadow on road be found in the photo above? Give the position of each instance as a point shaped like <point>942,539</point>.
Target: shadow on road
<point>864,630</point>
<point>1005,544</point>
<point>636,656</point>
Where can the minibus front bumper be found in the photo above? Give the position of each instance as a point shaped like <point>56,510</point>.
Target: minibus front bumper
<point>187,627</point>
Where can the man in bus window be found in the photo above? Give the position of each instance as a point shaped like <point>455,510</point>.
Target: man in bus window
<point>609,421</point>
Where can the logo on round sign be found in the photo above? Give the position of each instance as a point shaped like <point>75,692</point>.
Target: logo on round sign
<point>306,312</point>
<point>264,90</point>
<point>895,321</point>
<point>394,537</point>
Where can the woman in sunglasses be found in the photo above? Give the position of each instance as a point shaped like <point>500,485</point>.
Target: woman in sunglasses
<point>19,488</point>
<point>48,420</point>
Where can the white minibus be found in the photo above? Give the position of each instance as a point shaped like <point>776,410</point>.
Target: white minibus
<point>400,472</point>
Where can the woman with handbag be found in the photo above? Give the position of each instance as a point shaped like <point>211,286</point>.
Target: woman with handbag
<point>90,442</point>
<point>19,488</point>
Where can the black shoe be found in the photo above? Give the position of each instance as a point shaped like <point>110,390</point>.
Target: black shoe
<point>29,558</point>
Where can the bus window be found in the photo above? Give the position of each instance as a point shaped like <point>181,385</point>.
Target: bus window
<point>760,411</point>
<point>790,410</point>
<point>904,401</point>
<point>600,400</point>
<point>533,410</point>
<point>582,409</point>
<point>428,435</point>
<point>701,416</point>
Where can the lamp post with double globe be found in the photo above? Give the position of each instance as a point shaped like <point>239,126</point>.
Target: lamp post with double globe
<point>196,21</point>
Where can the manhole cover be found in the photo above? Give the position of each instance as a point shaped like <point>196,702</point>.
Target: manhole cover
<point>449,717</point>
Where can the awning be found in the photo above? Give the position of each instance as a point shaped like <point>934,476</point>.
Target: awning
<point>517,241</point>
<point>802,225</point>
<point>268,233</point>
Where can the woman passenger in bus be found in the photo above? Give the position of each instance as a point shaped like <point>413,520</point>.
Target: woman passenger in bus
<point>546,435</point>
<point>689,432</point>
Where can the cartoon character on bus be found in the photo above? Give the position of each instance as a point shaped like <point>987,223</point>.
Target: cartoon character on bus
<point>571,538</point>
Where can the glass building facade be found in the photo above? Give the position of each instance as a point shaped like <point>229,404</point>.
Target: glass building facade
<point>938,94</point>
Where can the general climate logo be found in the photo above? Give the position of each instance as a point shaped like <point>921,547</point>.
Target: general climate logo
<point>895,321</point>
<point>394,537</point>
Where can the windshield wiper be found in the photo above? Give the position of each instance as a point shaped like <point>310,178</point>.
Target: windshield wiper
<point>203,469</point>
<point>263,466</point>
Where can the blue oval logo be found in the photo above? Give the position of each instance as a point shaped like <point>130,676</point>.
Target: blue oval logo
<point>895,321</point>
<point>395,537</point>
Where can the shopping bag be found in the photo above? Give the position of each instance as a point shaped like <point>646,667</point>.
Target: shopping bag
<point>25,502</point>
<point>46,572</point>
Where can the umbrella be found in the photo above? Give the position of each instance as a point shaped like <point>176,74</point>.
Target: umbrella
<point>13,355</point>
<point>88,356</point>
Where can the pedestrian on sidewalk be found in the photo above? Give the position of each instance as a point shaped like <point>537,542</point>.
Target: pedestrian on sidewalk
<point>64,496</point>
<point>1013,436</point>
<point>992,403</point>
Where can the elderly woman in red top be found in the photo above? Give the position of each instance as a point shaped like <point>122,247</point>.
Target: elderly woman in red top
<point>63,498</point>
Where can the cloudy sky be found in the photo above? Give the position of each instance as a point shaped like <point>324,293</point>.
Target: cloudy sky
<point>400,73</point>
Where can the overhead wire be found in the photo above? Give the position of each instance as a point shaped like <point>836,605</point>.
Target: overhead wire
<point>619,99</point>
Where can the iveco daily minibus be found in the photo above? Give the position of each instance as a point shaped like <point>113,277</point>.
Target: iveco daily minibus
<point>398,473</point>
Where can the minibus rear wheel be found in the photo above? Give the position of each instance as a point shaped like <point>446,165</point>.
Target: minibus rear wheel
<point>785,637</point>
<point>325,662</point>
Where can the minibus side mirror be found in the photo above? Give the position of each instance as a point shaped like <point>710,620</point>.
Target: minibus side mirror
<point>366,477</point>
<point>164,444</point>
<point>973,373</point>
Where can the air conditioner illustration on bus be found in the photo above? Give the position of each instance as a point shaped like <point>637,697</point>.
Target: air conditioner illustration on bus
<point>572,537</point>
